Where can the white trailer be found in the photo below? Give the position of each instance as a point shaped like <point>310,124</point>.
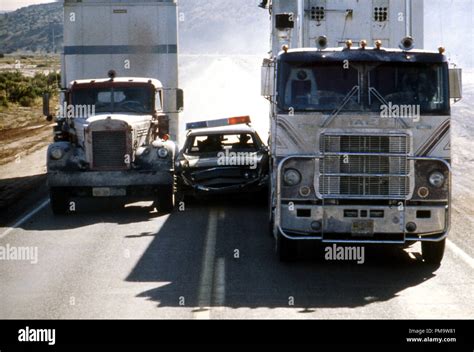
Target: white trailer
<point>120,103</point>
<point>133,38</point>
<point>360,126</point>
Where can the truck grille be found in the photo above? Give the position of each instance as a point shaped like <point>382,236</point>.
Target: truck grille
<point>364,167</point>
<point>109,149</point>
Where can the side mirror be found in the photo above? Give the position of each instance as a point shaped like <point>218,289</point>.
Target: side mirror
<point>46,107</point>
<point>179,100</point>
<point>268,76</point>
<point>455,84</point>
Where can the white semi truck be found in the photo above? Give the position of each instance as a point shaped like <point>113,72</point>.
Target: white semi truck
<point>360,126</point>
<point>119,105</point>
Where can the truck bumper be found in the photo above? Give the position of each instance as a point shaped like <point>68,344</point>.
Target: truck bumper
<point>145,185</point>
<point>388,224</point>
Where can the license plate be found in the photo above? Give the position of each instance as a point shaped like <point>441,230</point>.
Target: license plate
<point>109,192</point>
<point>363,228</point>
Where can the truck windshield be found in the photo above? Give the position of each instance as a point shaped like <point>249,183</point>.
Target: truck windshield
<point>335,88</point>
<point>307,87</point>
<point>138,100</point>
<point>423,85</point>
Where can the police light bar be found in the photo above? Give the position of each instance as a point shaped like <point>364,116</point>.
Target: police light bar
<point>219,123</point>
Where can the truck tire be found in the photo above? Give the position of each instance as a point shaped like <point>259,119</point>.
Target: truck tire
<point>286,249</point>
<point>59,201</point>
<point>433,252</point>
<point>165,201</point>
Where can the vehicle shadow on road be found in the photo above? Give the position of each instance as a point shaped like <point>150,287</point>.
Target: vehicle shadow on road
<point>91,212</point>
<point>219,254</point>
<point>18,194</point>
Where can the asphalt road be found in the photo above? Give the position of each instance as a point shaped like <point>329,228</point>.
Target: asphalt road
<point>214,260</point>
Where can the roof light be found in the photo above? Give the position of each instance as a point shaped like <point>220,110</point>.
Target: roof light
<point>112,74</point>
<point>348,44</point>
<point>363,44</point>
<point>441,50</point>
<point>407,43</point>
<point>378,44</point>
<point>239,120</point>
<point>322,42</point>
<point>219,123</point>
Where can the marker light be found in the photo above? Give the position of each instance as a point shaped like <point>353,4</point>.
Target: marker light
<point>378,44</point>
<point>423,192</point>
<point>348,44</point>
<point>219,123</point>
<point>285,48</point>
<point>441,50</point>
<point>363,44</point>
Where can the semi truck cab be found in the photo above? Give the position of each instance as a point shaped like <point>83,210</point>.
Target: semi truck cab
<point>359,129</point>
<point>112,141</point>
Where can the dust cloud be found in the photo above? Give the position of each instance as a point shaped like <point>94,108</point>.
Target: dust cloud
<point>223,86</point>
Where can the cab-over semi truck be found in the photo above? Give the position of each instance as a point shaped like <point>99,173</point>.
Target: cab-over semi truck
<point>119,103</point>
<point>360,126</point>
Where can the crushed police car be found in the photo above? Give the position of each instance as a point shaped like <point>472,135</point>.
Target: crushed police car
<point>222,156</point>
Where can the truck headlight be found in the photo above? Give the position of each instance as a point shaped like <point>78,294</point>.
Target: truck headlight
<point>292,177</point>
<point>437,179</point>
<point>163,153</point>
<point>56,153</point>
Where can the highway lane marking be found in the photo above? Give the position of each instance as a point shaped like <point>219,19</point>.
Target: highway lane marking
<point>460,253</point>
<point>219,283</point>
<point>207,269</point>
<point>25,218</point>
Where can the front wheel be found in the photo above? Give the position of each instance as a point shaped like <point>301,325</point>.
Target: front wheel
<point>433,252</point>
<point>59,201</point>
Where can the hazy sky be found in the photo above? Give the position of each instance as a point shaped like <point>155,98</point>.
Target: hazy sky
<point>10,5</point>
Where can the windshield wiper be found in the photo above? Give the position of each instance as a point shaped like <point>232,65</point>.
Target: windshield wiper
<point>355,90</point>
<point>380,97</point>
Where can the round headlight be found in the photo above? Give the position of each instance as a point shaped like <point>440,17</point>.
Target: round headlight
<point>163,153</point>
<point>56,153</point>
<point>437,179</point>
<point>292,177</point>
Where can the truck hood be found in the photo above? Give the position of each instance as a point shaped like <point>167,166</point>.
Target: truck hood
<point>130,119</point>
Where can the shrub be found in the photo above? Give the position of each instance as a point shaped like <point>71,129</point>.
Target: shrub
<point>4,101</point>
<point>24,90</point>
<point>26,101</point>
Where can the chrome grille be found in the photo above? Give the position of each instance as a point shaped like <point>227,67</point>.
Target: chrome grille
<point>364,167</point>
<point>109,149</point>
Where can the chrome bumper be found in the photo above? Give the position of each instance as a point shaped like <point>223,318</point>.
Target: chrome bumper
<point>109,178</point>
